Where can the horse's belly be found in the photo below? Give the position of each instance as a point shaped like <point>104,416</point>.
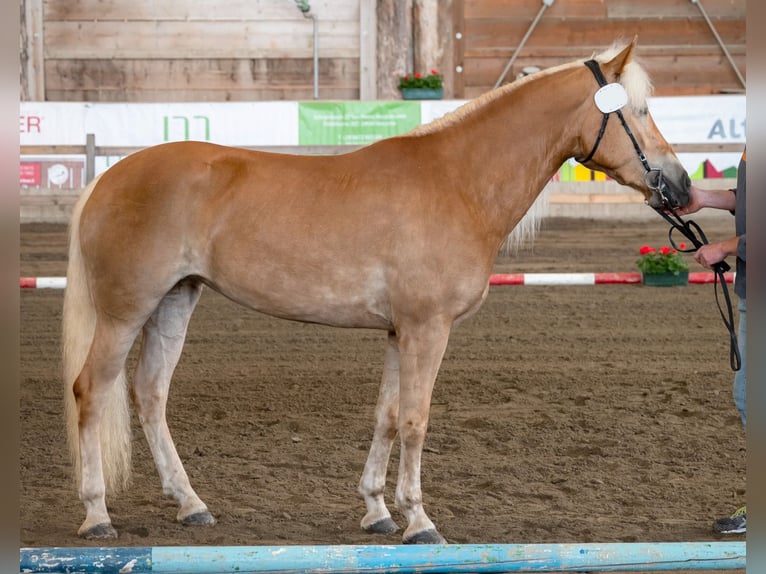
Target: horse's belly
<point>358,301</point>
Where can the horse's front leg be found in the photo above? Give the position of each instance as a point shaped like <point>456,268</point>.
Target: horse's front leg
<point>421,349</point>
<point>373,482</point>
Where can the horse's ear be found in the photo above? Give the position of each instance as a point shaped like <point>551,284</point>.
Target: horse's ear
<point>614,67</point>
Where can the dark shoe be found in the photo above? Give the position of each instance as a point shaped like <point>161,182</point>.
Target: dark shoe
<point>734,524</point>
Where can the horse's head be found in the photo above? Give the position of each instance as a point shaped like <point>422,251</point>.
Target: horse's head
<point>619,136</point>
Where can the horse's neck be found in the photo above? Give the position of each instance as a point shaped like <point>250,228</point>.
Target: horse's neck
<point>513,146</point>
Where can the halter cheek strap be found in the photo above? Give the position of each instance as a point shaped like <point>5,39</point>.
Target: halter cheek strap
<point>599,75</point>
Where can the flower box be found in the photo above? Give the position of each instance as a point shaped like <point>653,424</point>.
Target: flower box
<point>422,93</point>
<point>420,87</point>
<point>663,267</point>
<point>666,279</point>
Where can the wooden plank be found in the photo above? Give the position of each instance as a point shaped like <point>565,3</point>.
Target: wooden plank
<point>663,69</point>
<point>213,74</point>
<point>702,88</point>
<point>444,57</point>
<point>569,53</point>
<point>425,35</point>
<point>528,9</point>
<point>33,50</point>
<point>577,198</point>
<point>458,50</point>
<point>204,10</point>
<point>394,46</point>
<point>295,93</point>
<point>152,40</point>
<point>368,55</point>
<point>602,9</point>
<point>596,35</point>
<point>660,9</point>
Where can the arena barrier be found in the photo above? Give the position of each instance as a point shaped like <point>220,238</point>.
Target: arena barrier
<point>496,279</point>
<point>432,559</point>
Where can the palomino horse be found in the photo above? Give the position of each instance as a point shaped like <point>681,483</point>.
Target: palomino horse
<point>400,235</point>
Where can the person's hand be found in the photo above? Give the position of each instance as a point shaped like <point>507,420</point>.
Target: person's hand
<point>696,196</point>
<point>712,253</point>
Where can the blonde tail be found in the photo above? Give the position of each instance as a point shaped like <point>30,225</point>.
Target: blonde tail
<point>79,322</point>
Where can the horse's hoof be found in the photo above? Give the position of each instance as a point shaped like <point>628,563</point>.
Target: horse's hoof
<point>382,526</point>
<point>426,537</point>
<point>199,519</point>
<point>99,532</point>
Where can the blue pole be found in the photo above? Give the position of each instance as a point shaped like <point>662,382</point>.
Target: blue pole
<point>433,559</point>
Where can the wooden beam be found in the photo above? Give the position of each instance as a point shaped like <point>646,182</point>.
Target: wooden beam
<point>446,61</point>
<point>32,51</point>
<point>458,49</point>
<point>394,45</point>
<point>199,40</point>
<point>425,34</point>
<point>368,53</point>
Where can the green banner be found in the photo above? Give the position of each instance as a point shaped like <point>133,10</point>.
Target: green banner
<point>354,123</point>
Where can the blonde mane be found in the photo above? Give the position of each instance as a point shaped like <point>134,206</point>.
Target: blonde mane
<point>479,102</point>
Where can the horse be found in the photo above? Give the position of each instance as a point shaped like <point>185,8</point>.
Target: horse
<point>399,235</point>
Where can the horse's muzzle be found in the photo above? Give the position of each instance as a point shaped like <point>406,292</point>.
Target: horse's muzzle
<point>668,192</point>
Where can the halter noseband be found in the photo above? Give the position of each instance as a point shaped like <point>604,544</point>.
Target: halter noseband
<point>688,229</point>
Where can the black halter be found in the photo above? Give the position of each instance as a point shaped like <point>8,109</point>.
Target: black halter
<point>656,184</point>
<point>688,229</point>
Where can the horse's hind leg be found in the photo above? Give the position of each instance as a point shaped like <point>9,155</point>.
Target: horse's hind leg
<point>378,519</point>
<point>94,391</point>
<point>163,339</point>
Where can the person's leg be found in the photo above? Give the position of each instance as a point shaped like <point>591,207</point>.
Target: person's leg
<point>737,522</point>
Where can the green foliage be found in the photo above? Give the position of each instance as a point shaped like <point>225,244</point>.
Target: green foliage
<point>663,260</point>
<point>432,81</point>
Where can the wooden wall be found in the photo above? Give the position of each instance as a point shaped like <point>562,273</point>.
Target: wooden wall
<point>245,50</point>
<point>197,50</point>
<point>676,44</point>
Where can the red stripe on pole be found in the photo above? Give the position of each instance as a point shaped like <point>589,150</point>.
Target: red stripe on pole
<point>507,279</point>
<point>28,282</point>
<point>617,278</point>
<point>709,277</point>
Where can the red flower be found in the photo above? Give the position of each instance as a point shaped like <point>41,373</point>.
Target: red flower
<point>417,75</point>
<point>664,250</point>
<point>434,73</point>
<point>682,246</point>
<point>645,249</point>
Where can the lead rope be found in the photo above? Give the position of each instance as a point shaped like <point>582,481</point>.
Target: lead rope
<point>686,228</point>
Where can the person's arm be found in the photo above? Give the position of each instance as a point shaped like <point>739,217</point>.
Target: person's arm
<point>713,198</point>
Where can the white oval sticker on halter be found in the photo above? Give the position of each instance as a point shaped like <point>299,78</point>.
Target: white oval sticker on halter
<point>611,98</point>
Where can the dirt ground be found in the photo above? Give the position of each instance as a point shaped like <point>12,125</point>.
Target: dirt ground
<point>561,414</point>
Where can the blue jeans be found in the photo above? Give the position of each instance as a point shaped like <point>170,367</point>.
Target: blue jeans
<point>740,378</point>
